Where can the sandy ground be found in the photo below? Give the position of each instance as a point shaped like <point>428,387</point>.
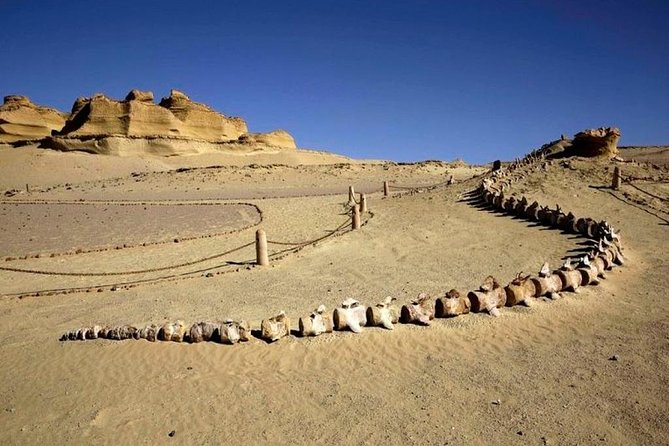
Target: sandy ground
<point>537,375</point>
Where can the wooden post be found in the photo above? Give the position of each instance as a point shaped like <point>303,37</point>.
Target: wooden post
<point>363,203</point>
<point>616,178</point>
<point>385,189</point>
<point>355,217</point>
<point>27,187</point>
<point>351,195</point>
<point>261,248</point>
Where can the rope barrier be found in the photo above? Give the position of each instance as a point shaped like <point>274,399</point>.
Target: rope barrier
<point>125,273</point>
<point>316,240</point>
<point>629,181</point>
<point>145,244</point>
<point>173,277</point>
<point>427,186</point>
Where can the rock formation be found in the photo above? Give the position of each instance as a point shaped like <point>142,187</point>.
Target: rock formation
<point>175,126</point>
<point>20,119</point>
<point>138,116</point>
<point>277,138</point>
<point>596,142</point>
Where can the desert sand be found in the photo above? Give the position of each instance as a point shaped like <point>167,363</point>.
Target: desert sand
<point>589,368</point>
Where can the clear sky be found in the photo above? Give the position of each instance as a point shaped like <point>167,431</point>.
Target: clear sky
<point>409,80</point>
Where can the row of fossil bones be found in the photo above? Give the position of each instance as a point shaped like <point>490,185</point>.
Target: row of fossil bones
<point>489,297</point>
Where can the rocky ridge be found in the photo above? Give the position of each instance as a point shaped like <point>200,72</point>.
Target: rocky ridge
<point>133,126</point>
<point>20,119</point>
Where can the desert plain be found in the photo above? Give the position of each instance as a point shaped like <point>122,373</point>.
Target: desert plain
<point>150,239</point>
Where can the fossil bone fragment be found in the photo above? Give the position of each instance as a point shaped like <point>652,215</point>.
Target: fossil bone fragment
<point>350,315</point>
<point>232,332</point>
<point>547,283</point>
<point>316,323</point>
<point>589,272</point>
<point>521,206</point>
<point>497,200</point>
<point>203,331</point>
<point>419,311</point>
<point>489,297</point>
<point>488,196</point>
<point>453,303</point>
<point>587,227</point>
<point>275,328</point>
<point>510,205</point>
<point>532,211</point>
<point>150,332</point>
<point>570,277</point>
<point>615,251</point>
<point>172,331</point>
<point>384,314</point>
<point>569,224</point>
<point>520,290</point>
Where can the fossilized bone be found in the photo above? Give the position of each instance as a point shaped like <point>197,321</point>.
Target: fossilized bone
<point>547,283</point>
<point>419,311</point>
<point>599,260</point>
<point>532,211</point>
<point>350,315</point>
<point>570,277</point>
<point>170,331</point>
<point>614,249</point>
<point>231,332</point>
<point>569,224</point>
<point>453,303</point>
<point>589,272</point>
<point>520,290</point>
<point>521,206</point>
<point>275,328</point>
<point>510,205</point>
<point>488,196</point>
<point>546,216</point>
<point>587,227</point>
<point>557,217</point>
<point>383,314</point>
<point>316,323</point>
<point>497,200</point>
<point>489,297</point>
<point>203,331</point>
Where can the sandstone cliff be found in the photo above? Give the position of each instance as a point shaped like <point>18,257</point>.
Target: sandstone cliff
<point>139,116</point>
<point>20,119</point>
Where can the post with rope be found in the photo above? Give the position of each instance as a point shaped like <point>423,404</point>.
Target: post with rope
<point>615,185</point>
<point>351,195</point>
<point>355,217</point>
<point>385,189</point>
<point>262,258</point>
<point>363,203</point>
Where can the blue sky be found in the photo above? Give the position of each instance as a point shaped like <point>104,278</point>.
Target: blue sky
<point>477,80</point>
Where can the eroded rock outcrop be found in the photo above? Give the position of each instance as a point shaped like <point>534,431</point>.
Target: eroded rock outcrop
<point>20,119</point>
<point>277,138</point>
<point>138,116</point>
<point>596,142</point>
